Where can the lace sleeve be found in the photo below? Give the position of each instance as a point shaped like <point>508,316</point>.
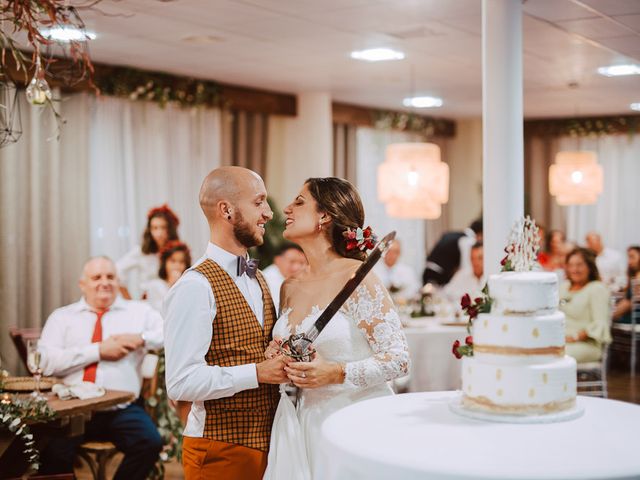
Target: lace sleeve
<point>373,311</point>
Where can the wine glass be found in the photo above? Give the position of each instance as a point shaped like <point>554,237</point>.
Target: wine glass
<point>33,363</point>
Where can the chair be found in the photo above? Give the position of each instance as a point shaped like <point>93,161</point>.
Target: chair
<point>627,336</point>
<point>592,376</point>
<point>96,454</point>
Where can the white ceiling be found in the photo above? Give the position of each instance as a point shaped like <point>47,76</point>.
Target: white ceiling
<point>304,45</point>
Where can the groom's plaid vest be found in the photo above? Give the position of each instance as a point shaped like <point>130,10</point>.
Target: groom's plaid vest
<point>246,417</point>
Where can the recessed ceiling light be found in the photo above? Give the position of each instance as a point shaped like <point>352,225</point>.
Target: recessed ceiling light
<point>67,34</point>
<point>635,106</point>
<point>619,70</point>
<point>201,39</point>
<point>377,54</point>
<point>422,102</point>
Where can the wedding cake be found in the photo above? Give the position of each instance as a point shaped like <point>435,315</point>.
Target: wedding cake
<point>518,366</point>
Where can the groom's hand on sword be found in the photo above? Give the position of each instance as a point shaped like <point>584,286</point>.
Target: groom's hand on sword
<point>272,370</point>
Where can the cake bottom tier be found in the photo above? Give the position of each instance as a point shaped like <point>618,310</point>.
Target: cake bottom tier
<point>519,389</point>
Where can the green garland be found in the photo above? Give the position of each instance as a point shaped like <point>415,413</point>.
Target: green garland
<point>14,417</point>
<point>167,421</point>
<point>414,123</point>
<point>157,87</point>
<point>585,126</point>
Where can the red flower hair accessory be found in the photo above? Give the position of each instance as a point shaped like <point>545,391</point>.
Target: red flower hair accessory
<point>174,244</point>
<point>166,211</point>
<point>359,239</point>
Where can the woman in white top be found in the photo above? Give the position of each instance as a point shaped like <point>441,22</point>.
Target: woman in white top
<point>175,258</point>
<point>362,347</point>
<point>141,264</point>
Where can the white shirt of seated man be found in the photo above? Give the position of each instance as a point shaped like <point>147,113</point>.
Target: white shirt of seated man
<point>129,328</point>
<point>610,262</point>
<point>288,262</point>
<point>399,279</point>
<point>467,280</point>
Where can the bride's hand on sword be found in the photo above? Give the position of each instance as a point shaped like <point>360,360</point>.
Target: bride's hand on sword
<point>316,373</point>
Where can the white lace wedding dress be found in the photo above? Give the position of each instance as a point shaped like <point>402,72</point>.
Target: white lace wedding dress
<point>367,336</point>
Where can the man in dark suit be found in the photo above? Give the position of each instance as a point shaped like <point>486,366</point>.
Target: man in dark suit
<point>445,257</point>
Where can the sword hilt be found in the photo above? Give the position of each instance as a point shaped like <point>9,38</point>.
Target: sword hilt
<point>298,347</point>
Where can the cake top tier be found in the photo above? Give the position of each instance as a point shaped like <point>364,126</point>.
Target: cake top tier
<point>522,248</point>
<point>523,292</point>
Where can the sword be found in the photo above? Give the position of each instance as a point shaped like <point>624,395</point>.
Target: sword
<point>297,346</point>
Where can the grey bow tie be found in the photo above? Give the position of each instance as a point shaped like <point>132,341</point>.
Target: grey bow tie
<point>250,267</point>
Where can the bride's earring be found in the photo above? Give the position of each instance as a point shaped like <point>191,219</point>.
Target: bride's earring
<point>319,226</point>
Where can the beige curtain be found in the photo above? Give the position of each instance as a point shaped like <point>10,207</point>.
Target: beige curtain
<point>244,141</point>
<point>344,152</point>
<point>44,218</point>
<point>539,154</point>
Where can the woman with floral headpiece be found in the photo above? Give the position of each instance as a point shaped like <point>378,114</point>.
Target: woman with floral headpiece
<point>141,264</point>
<point>175,258</point>
<point>362,347</point>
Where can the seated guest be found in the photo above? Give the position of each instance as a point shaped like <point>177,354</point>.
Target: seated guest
<point>140,265</point>
<point>398,278</point>
<point>450,253</point>
<point>584,299</point>
<point>468,280</point>
<point>288,261</point>
<point>175,258</point>
<point>102,339</point>
<point>553,253</point>
<point>622,312</point>
<point>609,262</point>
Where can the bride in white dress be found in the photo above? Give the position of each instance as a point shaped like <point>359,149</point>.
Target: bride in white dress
<point>360,350</point>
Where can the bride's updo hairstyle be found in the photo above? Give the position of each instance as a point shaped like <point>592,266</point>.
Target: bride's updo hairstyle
<point>340,200</point>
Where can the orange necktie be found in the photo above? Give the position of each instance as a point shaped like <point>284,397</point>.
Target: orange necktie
<point>90,370</point>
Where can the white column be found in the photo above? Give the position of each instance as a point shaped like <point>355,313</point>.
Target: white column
<point>300,147</point>
<point>503,159</point>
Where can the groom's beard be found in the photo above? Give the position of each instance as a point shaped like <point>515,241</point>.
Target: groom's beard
<point>244,234</point>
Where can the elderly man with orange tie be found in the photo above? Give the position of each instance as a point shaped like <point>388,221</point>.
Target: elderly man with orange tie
<point>103,339</point>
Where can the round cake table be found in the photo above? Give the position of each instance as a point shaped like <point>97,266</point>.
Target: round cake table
<point>416,435</point>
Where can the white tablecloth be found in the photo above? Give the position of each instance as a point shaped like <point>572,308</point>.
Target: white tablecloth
<point>416,436</point>
<point>433,366</point>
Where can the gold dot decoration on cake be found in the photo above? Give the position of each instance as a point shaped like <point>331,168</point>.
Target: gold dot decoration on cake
<point>565,387</point>
<point>505,328</point>
<point>532,392</point>
<point>498,374</point>
<point>486,323</point>
<point>499,392</point>
<point>469,370</point>
<point>545,378</point>
<point>535,333</point>
<point>469,388</point>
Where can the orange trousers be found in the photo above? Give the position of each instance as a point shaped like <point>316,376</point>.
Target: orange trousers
<point>204,459</point>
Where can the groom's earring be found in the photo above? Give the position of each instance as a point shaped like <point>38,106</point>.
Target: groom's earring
<point>228,215</point>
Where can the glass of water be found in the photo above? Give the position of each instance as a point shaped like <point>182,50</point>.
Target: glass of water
<point>33,362</point>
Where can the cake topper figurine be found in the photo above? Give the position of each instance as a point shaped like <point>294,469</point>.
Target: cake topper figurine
<point>523,246</point>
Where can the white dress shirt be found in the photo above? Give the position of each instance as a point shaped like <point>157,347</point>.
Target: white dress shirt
<point>612,268</point>
<point>274,279</point>
<point>400,276</point>
<point>136,269</point>
<point>464,281</point>
<point>66,345</point>
<point>189,310</point>
<point>155,292</point>
<point>464,245</point>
